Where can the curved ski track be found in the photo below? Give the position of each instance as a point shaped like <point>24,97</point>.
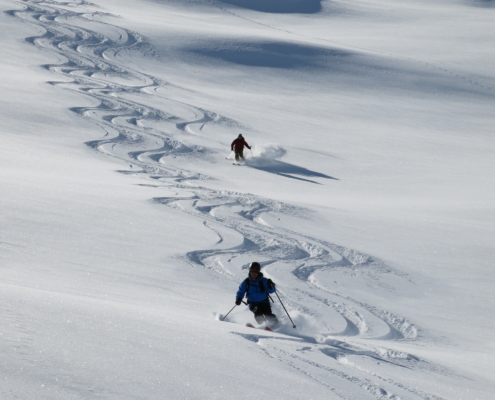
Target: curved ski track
<point>315,278</point>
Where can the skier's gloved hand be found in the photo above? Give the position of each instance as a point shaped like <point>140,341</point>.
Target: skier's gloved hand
<point>238,301</point>
<point>270,284</point>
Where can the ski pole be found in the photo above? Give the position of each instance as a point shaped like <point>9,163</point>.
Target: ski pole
<point>228,313</point>
<point>231,310</point>
<point>229,154</point>
<point>293,325</point>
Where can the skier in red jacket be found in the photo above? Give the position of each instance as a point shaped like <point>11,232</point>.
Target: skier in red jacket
<point>238,147</point>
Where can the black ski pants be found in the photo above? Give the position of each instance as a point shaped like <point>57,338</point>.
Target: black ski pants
<point>263,313</point>
<point>239,155</point>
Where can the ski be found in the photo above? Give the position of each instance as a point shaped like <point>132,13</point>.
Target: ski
<point>266,328</point>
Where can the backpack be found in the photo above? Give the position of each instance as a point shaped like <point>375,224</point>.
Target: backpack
<point>262,286</point>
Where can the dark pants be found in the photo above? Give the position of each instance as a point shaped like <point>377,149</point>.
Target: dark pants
<point>239,154</point>
<point>263,313</point>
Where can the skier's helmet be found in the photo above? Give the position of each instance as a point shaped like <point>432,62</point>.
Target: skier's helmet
<point>255,266</point>
<point>240,136</point>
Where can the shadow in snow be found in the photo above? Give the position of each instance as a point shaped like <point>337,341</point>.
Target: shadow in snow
<point>337,68</point>
<point>286,170</point>
<point>292,338</point>
<point>271,54</point>
<point>483,3</point>
<point>279,6</point>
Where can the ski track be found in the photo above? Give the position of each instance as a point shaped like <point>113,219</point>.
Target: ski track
<point>306,269</point>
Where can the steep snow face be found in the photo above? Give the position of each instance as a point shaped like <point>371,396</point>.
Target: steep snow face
<point>367,197</point>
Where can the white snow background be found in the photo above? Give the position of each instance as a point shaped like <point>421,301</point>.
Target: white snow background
<point>368,198</point>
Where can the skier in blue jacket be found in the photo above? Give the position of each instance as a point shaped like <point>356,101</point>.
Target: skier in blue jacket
<point>257,288</point>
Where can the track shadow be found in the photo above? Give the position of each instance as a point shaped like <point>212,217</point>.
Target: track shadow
<point>286,170</point>
<point>279,6</point>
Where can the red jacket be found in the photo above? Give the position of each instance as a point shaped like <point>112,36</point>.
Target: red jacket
<point>238,144</point>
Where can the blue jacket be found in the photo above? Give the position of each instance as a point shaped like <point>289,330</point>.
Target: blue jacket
<point>257,290</point>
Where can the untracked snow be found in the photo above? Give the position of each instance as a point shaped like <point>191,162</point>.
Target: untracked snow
<point>367,197</point>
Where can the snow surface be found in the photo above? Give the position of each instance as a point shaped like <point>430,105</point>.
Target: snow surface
<point>368,197</point>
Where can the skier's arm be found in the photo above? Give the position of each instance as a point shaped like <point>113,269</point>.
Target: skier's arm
<point>245,143</point>
<point>242,290</point>
<point>232,145</point>
<point>271,286</point>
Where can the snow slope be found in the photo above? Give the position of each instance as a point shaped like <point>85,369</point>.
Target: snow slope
<point>368,198</point>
